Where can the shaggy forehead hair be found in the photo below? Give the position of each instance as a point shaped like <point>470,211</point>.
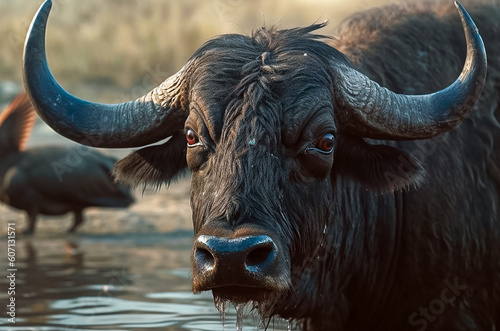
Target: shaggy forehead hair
<point>232,70</point>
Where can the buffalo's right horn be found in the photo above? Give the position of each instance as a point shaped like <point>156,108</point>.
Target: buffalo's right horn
<point>368,110</point>
<point>151,118</point>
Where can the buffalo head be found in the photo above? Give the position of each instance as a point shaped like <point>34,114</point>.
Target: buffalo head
<point>268,126</point>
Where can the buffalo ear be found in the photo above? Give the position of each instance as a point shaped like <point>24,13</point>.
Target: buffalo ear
<point>377,167</point>
<point>154,165</point>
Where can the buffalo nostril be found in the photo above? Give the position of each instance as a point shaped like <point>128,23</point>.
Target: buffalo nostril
<point>260,257</point>
<point>204,258</point>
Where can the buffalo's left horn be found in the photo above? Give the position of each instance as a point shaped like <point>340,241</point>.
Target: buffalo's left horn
<point>366,109</point>
<point>151,118</point>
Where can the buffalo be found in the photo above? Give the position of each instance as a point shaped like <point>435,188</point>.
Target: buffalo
<point>347,183</point>
<point>52,180</point>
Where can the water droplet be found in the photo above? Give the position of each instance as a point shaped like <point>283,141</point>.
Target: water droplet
<point>252,142</point>
<point>239,316</point>
<point>221,306</point>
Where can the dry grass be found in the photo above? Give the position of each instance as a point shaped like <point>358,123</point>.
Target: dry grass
<point>134,44</point>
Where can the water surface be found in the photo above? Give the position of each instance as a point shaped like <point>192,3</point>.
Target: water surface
<point>111,282</point>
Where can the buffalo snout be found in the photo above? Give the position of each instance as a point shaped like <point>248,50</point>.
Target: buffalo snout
<point>239,267</point>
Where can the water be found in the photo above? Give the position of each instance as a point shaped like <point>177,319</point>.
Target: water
<point>123,282</point>
<point>239,316</point>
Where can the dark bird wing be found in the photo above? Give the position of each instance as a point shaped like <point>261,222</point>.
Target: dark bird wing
<point>93,182</point>
<point>78,177</point>
<point>16,123</point>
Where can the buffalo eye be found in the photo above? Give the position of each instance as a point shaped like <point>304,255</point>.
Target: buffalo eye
<point>325,144</point>
<point>192,138</point>
<point>317,158</point>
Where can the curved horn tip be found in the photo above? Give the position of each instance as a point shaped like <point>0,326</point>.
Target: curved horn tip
<point>47,3</point>
<point>44,9</point>
<point>37,26</point>
<point>34,44</point>
<point>464,15</point>
<point>457,4</point>
<point>475,43</point>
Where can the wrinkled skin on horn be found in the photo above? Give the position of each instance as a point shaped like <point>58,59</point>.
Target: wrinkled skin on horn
<point>369,110</point>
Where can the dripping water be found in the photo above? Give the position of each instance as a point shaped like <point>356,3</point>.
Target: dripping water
<point>239,316</point>
<point>221,306</point>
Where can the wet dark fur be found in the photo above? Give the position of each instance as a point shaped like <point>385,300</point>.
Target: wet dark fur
<point>372,240</point>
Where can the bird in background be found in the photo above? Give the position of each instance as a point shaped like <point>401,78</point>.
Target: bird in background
<point>52,180</point>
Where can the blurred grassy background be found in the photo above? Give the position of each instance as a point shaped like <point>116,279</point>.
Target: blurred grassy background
<point>135,44</point>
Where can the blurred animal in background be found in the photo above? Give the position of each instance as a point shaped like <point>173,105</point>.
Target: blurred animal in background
<point>52,180</point>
